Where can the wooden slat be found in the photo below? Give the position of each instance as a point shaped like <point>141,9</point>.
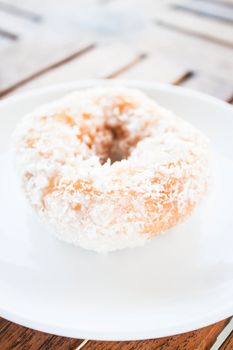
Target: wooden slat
<point>17,25</point>
<point>159,40</point>
<point>228,344</point>
<point>206,27</point>
<point>44,70</point>
<point>192,52</point>
<point>210,84</point>
<point>48,5</point>
<point>125,68</point>
<point>3,42</point>
<point>191,32</point>
<point>225,3</point>
<point>183,78</point>
<point>160,10</point>
<point>201,339</point>
<point>163,11</point>
<point>21,61</point>
<point>19,11</point>
<point>213,10</point>
<point>40,44</point>
<point>92,65</point>
<point>216,32</point>
<point>129,66</point>
<point>156,67</point>
<point>15,337</point>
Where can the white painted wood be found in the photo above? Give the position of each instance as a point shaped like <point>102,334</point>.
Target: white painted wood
<point>191,52</point>
<point>4,43</point>
<point>210,84</point>
<point>158,68</point>
<point>122,29</point>
<point>98,63</point>
<point>17,25</point>
<point>198,25</point>
<point>214,10</point>
<point>34,53</point>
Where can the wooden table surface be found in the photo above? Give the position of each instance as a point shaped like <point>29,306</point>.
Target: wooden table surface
<point>183,42</point>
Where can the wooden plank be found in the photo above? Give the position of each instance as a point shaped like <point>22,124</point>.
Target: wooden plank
<point>54,41</point>
<point>191,52</point>
<point>212,69</point>
<point>136,13</point>
<point>125,68</point>
<point>4,42</point>
<point>51,10</point>
<point>200,339</point>
<point>54,65</point>
<point>127,65</point>
<point>12,336</point>
<point>17,25</point>
<point>183,78</point>
<point>148,9</point>
<point>228,3</point>
<point>15,337</point>
<point>191,32</point>
<point>20,61</point>
<point>204,27</point>
<point>228,344</point>
<point>213,10</point>
<point>163,11</point>
<point>18,11</point>
<point>151,39</point>
<point>156,67</point>
<point>92,65</point>
<point>210,84</point>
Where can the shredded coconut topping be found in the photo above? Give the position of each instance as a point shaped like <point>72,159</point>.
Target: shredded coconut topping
<point>108,168</point>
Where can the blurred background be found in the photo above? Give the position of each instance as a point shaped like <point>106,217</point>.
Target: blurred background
<point>183,42</point>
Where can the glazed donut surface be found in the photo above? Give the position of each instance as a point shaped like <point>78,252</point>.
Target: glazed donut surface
<point>107,168</point>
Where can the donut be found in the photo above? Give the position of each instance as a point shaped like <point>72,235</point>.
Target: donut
<point>107,168</point>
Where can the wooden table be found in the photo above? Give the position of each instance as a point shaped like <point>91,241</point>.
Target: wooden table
<point>183,42</point>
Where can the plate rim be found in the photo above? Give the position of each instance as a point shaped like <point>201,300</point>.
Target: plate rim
<point>179,90</point>
<point>118,336</point>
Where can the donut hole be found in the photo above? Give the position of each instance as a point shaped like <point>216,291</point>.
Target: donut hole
<point>119,148</point>
<point>113,143</point>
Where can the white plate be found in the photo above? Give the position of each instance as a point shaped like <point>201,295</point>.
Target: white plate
<point>178,282</point>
